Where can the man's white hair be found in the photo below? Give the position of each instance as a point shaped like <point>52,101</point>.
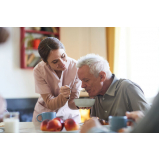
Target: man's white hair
<point>95,62</point>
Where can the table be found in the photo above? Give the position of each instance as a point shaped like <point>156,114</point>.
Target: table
<point>34,127</point>
<point>27,127</point>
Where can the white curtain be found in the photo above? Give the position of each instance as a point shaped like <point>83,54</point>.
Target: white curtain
<point>137,53</point>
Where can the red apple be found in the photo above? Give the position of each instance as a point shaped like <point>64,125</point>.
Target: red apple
<point>44,125</point>
<point>61,120</point>
<point>54,125</point>
<point>71,125</point>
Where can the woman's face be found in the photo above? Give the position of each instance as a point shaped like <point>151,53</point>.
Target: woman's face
<point>57,60</point>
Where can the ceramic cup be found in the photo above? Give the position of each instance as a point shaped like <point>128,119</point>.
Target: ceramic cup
<point>46,115</point>
<point>118,122</point>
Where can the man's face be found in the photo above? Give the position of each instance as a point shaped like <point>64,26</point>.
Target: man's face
<point>91,84</point>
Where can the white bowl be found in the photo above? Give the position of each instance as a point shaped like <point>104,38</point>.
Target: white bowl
<point>84,102</point>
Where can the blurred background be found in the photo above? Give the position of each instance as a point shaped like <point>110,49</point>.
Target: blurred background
<point>132,52</point>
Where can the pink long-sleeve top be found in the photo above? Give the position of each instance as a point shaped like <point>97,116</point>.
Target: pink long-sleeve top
<point>47,81</point>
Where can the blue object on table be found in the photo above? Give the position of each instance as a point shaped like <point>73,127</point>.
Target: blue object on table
<point>118,122</point>
<point>46,115</point>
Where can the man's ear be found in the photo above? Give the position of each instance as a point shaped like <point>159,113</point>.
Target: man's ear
<point>102,76</point>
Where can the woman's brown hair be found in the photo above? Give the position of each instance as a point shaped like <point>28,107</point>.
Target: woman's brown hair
<point>48,44</point>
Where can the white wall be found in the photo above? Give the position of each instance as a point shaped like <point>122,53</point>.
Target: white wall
<point>14,81</point>
<point>79,41</point>
<point>19,83</point>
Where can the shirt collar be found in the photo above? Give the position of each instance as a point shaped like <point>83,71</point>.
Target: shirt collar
<point>112,88</point>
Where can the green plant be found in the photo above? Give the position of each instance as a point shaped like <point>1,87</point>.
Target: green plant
<point>29,40</point>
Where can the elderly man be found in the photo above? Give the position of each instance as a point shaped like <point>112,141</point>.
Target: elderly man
<point>113,96</point>
<point>148,123</point>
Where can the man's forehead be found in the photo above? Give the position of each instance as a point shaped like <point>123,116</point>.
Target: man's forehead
<point>84,71</point>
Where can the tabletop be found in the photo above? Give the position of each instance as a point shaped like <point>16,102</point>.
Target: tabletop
<point>28,127</point>
<point>34,127</point>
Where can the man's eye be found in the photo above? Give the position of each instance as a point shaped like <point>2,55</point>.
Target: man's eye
<point>86,80</point>
<point>55,62</point>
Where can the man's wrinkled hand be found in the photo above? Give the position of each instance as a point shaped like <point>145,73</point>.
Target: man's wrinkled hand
<point>135,115</point>
<point>93,122</point>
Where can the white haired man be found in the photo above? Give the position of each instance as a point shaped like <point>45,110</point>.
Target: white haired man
<point>113,96</point>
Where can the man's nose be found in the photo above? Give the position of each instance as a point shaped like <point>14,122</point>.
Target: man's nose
<point>83,85</point>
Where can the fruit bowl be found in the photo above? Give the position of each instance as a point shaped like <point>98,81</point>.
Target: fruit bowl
<point>84,102</point>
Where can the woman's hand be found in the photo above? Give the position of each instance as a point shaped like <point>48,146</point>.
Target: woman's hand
<point>65,91</point>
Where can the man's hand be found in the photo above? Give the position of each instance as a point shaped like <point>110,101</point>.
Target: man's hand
<point>65,91</point>
<point>135,115</point>
<point>93,122</point>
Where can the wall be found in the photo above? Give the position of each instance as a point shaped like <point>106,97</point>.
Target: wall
<point>18,83</point>
<point>79,41</point>
<point>14,82</point>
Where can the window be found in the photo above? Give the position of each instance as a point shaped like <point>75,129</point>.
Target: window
<point>137,57</point>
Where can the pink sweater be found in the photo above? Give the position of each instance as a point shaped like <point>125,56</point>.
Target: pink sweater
<point>47,81</point>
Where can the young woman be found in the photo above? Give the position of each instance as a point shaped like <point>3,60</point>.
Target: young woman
<point>56,81</point>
